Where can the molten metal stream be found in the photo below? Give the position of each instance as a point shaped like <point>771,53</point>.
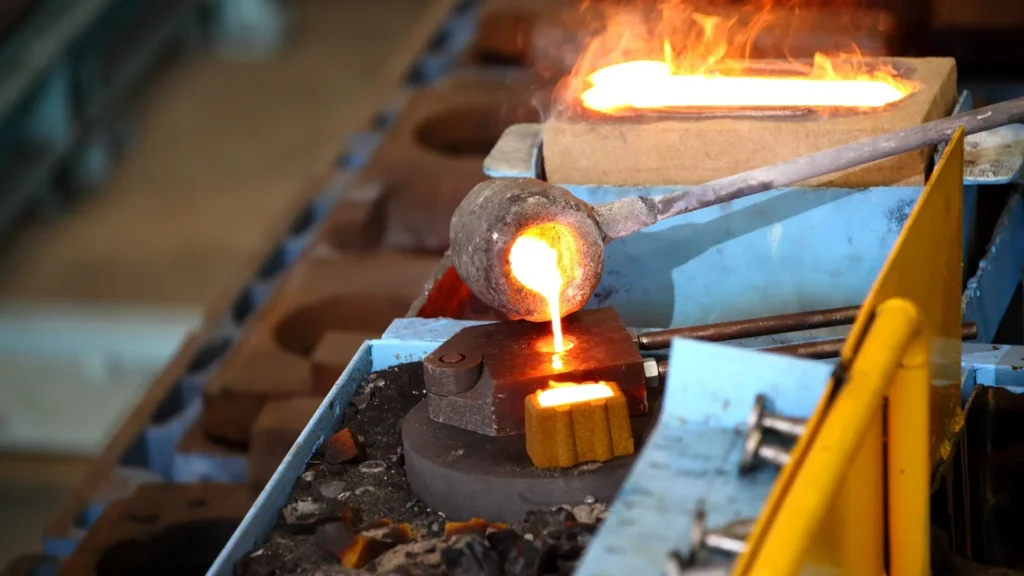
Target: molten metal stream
<point>535,264</point>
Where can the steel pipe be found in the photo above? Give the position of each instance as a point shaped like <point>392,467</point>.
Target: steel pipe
<point>751,328</point>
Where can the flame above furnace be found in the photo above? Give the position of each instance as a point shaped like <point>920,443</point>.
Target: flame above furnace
<point>680,57</point>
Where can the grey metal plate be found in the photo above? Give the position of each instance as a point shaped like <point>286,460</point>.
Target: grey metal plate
<point>516,153</point>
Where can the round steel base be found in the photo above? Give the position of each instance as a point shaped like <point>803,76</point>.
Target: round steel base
<point>464,474</point>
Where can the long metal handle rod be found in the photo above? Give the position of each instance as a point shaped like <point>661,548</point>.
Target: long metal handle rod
<point>830,348</point>
<point>821,349</point>
<point>623,217</point>
<point>752,327</point>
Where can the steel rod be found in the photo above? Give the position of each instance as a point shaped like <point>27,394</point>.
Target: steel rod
<point>830,348</point>
<point>750,328</point>
<point>623,217</point>
<point>821,349</point>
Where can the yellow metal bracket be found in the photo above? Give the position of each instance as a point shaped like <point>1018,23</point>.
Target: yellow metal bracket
<point>898,378</point>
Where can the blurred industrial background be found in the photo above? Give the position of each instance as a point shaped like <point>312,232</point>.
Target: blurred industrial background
<point>128,212</point>
<point>152,154</point>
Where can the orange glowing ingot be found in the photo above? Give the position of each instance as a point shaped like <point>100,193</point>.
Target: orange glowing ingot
<point>568,424</point>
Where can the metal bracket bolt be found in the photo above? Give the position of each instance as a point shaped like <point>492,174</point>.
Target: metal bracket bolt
<point>652,373</point>
<point>730,540</point>
<point>760,417</point>
<point>755,450</point>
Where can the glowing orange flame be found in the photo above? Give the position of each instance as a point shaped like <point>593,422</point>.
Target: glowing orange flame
<point>534,262</point>
<point>644,85</point>
<point>562,393</point>
<point>682,58</point>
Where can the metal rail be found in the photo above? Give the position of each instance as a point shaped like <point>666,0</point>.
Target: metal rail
<point>750,328</point>
<point>628,215</point>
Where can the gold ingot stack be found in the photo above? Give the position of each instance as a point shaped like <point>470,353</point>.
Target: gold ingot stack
<point>565,435</point>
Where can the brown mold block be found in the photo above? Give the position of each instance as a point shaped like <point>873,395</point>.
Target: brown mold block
<point>285,350</point>
<point>506,28</point>
<point>277,428</point>
<point>582,148</point>
<point>569,434</point>
<point>195,441</point>
<point>62,523</point>
<point>162,529</point>
<point>434,154</point>
<point>340,293</point>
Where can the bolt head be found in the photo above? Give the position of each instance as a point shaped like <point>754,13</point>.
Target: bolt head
<point>452,358</point>
<point>651,373</point>
<point>750,445</point>
<point>757,412</point>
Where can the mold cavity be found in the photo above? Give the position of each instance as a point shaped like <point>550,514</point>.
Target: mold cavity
<point>179,550</point>
<point>209,353</point>
<point>470,130</point>
<point>483,57</point>
<point>148,519</point>
<point>300,331</point>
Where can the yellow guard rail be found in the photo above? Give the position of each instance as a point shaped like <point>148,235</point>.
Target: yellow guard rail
<point>849,502</point>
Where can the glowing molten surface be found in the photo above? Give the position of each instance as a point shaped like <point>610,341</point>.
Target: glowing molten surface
<point>646,85</point>
<point>678,54</point>
<point>562,393</point>
<point>534,263</point>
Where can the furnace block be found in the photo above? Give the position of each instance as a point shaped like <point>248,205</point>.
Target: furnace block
<point>584,147</point>
<point>570,434</point>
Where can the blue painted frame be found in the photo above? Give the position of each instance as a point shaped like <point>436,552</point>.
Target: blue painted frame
<point>695,442</point>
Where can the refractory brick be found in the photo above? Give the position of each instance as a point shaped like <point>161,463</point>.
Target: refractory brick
<point>586,148</point>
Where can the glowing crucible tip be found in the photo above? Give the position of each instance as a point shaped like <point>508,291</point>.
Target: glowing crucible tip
<point>534,263</point>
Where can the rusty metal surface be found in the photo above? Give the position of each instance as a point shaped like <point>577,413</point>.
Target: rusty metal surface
<point>479,379</point>
<point>493,215</point>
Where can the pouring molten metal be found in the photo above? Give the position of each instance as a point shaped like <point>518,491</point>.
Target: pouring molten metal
<point>534,263</point>
<point>541,259</point>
